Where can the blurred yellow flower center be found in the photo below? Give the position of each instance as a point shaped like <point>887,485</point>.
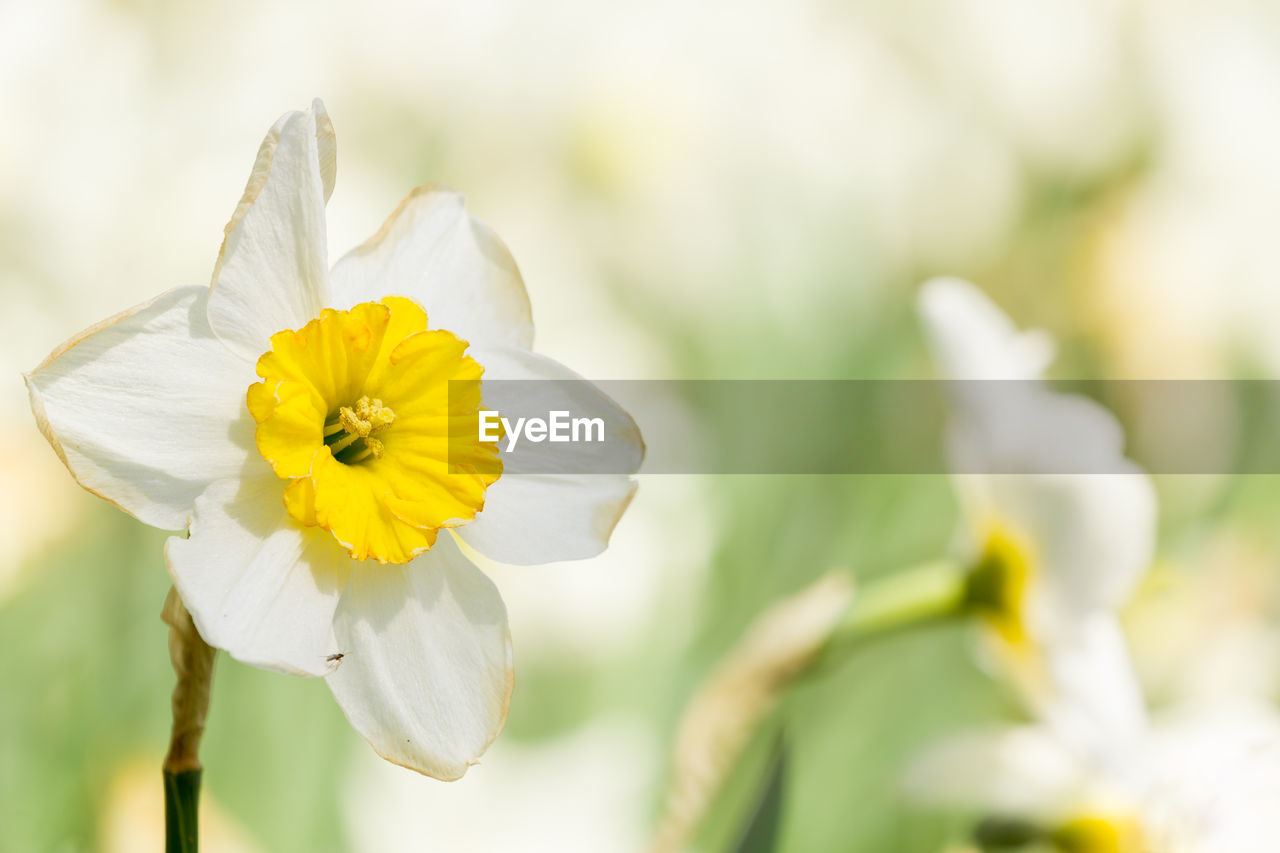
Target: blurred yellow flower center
<point>1099,834</point>
<point>370,417</point>
<point>997,584</point>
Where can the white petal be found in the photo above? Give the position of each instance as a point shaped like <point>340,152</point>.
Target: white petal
<point>1023,428</point>
<point>272,272</point>
<point>147,408</point>
<point>1214,777</point>
<point>544,518</point>
<point>326,147</point>
<point>1022,771</point>
<point>972,339</point>
<point>548,517</point>
<point>434,252</point>
<point>1095,704</point>
<point>257,584</point>
<point>1010,427</point>
<point>426,674</point>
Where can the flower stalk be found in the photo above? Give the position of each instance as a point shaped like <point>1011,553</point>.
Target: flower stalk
<point>925,594</point>
<point>192,660</point>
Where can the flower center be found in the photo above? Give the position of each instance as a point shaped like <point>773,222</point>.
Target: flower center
<point>997,585</point>
<point>349,431</point>
<point>361,411</point>
<point>1091,832</point>
<point>1096,833</point>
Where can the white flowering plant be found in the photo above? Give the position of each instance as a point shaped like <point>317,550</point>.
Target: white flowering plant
<point>310,430</point>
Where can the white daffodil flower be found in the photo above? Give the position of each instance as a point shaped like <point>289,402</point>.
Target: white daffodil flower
<point>1060,524</point>
<point>295,419</point>
<point>1195,781</point>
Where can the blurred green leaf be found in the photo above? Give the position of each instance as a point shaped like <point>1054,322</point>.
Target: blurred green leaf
<point>763,830</point>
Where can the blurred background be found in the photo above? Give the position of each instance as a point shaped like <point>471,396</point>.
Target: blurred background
<point>719,190</point>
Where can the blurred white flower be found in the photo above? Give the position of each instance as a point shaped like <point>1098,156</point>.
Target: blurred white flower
<point>348,449</point>
<point>1053,554</point>
<point>1199,779</point>
<point>1196,781</point>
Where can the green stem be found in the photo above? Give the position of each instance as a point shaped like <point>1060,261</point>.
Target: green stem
<point>1006,834</point>
<point>926,594</point>
<point>181,811</point>
<point>192,660</point>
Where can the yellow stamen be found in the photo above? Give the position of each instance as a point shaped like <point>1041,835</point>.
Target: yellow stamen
<point>366,417</point>
<point>372,447</point>
<point>343,443</point>
<point>359,422</point>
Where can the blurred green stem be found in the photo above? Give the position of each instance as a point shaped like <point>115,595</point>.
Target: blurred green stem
<point>1005,834</point>
<point>926,594</point>
<point>192,660</point>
